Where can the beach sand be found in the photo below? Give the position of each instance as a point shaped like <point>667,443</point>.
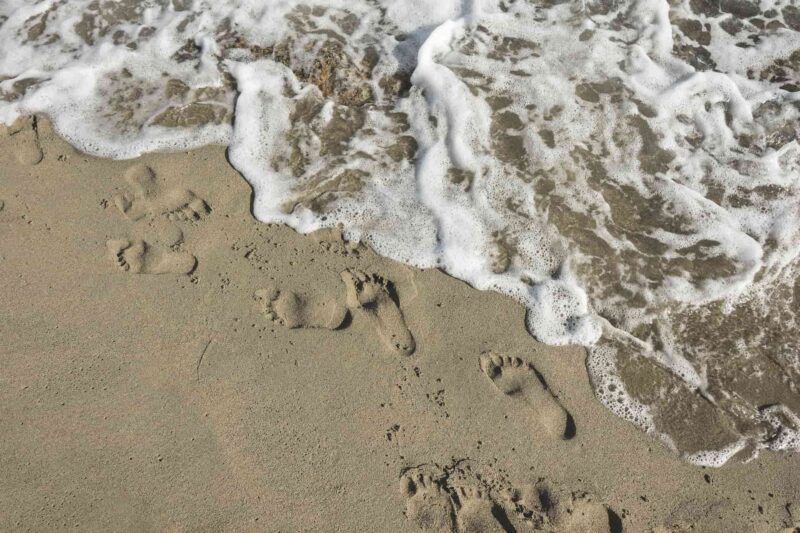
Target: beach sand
<point>170,363</point>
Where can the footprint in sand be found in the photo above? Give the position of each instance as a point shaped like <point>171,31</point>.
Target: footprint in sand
<point>295,311</point>
<point>25,141</point>
<point>468,498</point>
<point>582,514</point>
<point>428,503</point>
<point>374,296</point>
<point>477,513</point>
<point>147,198</point>
<point>520,380</point>
<point>137,257</point>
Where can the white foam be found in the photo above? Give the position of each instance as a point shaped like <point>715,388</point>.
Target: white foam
<point>611,390</point>
<point>716,458</point>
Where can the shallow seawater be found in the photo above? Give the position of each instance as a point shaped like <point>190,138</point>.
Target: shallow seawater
<point>627,170</point>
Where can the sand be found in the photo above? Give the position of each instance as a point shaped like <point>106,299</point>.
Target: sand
<point>170,363</point>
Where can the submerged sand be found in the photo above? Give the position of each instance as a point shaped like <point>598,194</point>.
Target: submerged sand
<point>168,362</point>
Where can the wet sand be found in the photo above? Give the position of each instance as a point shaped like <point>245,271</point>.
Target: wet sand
<point>171,363</point>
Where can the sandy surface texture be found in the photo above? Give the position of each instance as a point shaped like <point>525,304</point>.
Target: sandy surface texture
<point>170,363</point>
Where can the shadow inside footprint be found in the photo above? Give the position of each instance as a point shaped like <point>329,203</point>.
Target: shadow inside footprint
<point>570,430</point>
<point>502,518</point>
<point>614,522</point>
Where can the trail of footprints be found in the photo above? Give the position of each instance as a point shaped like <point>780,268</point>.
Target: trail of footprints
<point>366,294</point>
<point>147,200</point>
<point>435,501</point>
<point>374,298</point>
<point>457,498</point>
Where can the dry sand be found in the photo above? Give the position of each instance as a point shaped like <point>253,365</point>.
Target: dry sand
<point>170,363</point>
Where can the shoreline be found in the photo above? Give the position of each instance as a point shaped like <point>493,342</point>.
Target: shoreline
<point>150,398</point>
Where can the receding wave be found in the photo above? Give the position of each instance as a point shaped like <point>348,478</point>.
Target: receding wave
<point>628,170</point>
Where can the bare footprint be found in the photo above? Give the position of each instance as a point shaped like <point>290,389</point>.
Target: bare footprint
<point>25,141</point>
<point>520,380</point>
<point>428,503</point>
<point>295,311</point>
<point>137,257</point>
<point>147,199</point>
<point>479,514</point>
<point>182,205</point>
<point>582,514</point>
<point>142,181</point>
<point>371,294</point>
<point>157,231</point>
